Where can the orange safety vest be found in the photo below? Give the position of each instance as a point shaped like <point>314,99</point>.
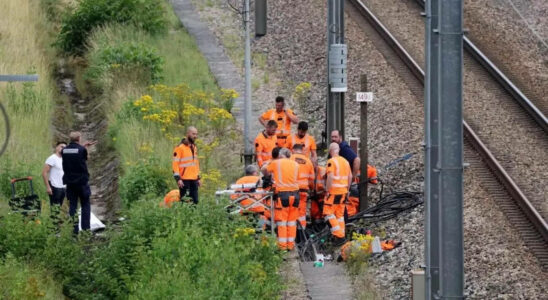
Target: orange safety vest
<point>305,177</point>
<point>284,174</point>
<point>185,161</point>
<point>284,123</point>
<point>264,144</point>
<point>248,202</point>
<point>308,142</point>
<point>339,168</point>
<point>371,175</point>
<point>320,180</point>
<point>171,197</point>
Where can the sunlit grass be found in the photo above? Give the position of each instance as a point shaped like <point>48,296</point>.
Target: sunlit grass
<point>25,48</point>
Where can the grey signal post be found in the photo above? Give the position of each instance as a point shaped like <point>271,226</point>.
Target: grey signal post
<point>444,150</point>
<point>248,143</point>
<point>431,104</point>
<point>335,37</point>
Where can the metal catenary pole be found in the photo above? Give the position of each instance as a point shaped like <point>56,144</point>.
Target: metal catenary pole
<point>364,148</point>
<point>431,104</point>
<point>248,143</point>
<point>335,35</point>
<point>450,149</point>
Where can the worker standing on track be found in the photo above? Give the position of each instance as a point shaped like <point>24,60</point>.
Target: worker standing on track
<point>265,142</point>
<point>52,173</point>
<point>305,179</point>
<point>286,194</point>
<point>186,167</point>
<point>339,177</point>
<point>304,139</point>
<point>284,118</point>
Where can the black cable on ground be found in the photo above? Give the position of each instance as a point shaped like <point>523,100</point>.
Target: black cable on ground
<point>5,116</point>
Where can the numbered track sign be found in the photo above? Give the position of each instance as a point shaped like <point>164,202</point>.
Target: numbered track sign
<point>364,96</point>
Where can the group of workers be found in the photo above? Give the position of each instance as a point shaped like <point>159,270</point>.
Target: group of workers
<point>290,161</point>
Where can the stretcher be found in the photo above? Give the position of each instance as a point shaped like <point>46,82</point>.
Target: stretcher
<point>258,198</point>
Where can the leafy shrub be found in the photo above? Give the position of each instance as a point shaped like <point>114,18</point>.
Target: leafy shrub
<point>147,15</point>
<point>141,179</point>
<point>195,252</point>
<point>128,59</point>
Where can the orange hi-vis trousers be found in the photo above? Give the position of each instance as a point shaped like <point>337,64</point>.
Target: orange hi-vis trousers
<point>302,208</point>
<point>333,212</point>
<point>286,212</point>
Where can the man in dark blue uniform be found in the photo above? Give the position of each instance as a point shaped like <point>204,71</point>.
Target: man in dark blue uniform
<point>76,176</point>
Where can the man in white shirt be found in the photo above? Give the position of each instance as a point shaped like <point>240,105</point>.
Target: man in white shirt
<point>52,173</point>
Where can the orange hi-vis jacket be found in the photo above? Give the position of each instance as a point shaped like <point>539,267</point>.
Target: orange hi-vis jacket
<point>305,178</point>
<point>320,180</point>
<point>284,174</point>
<point>248,203</point>
<point>185,162</point>
<point>308,142</point>
<point>371,175</point>
<point>264,145</point>
<point>284,123</point>
<point>340,169</point>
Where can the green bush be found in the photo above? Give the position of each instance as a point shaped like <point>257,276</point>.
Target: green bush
<point>191,252</point>
<point>147,15</point>
<point>133,60</point>
<point>142,179</point>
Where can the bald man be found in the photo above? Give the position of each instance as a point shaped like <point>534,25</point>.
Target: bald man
<point>346,151</point>
<point>186,167</point>
<point>339,177</point>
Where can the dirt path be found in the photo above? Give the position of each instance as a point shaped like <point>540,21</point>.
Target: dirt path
<point>89,118</point>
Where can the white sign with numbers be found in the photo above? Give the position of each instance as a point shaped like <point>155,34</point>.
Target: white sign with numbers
<point>364,96</point>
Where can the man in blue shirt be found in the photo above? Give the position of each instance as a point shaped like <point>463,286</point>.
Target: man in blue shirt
<point>76,177</point>
<point>346,152</point>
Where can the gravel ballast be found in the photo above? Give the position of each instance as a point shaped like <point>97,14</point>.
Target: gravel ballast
<point>497,263</point>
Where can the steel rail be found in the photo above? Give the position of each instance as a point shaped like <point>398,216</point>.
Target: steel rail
<point>504,178</point>
<point>503,80</point>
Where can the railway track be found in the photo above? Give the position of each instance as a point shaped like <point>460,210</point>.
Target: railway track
<point>480,150</point>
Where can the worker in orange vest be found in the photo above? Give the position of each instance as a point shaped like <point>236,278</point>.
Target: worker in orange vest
<point>284,118</point>
<point>305,179</point>
<point>304,139</point>
<point>265,142</point>
<point>316,203</point>
<point>171,197</point>
<point>286,194</point>
<point>339,177</point>
<point>250,203</point>
<point>353,203</point>
<point>186,167</point>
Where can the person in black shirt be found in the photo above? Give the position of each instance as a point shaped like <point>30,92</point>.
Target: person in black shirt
<point>76,176</point>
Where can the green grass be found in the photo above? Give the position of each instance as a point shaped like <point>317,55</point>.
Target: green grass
<point>25,48</point>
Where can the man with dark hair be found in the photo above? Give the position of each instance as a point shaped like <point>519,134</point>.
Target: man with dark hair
<point>76,177</point>
<point>186,167</point>
<point>304,139</point>
<point>265,142</point>
<point>283,117</point>
<point>52,173</point>
<point>346,152</point>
